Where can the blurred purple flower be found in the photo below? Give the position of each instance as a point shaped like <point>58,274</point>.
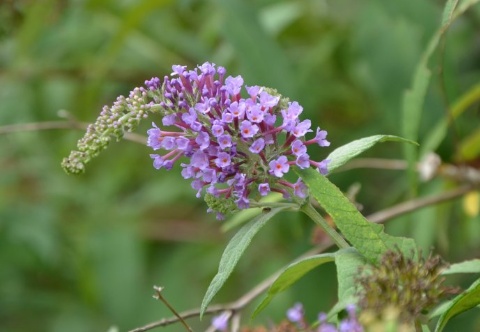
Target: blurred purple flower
<point>295,314</point>
<point>220,322</point>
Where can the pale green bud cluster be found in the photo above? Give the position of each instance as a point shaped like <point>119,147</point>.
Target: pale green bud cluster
<point>123,116</point>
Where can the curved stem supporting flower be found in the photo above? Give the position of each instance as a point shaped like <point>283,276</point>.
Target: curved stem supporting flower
<point>310,211</point>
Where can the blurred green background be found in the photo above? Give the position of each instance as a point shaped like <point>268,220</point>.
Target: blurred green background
<point>82,253</point>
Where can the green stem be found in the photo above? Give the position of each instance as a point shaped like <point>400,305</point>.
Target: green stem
<point>310,211</point>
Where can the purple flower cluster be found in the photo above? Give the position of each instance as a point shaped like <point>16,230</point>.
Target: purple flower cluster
<point>237,147</point>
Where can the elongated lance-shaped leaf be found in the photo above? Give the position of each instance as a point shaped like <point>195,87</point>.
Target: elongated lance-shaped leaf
<point>348,151</point>
<point>290,275</point>
<point>234,251</point>
<point>368,238</point>
<point>469,299</point>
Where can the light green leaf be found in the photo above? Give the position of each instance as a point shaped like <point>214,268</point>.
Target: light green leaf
<point>425,328</point>
<point>469,299</point>
<point>290,275</point>
<point>471,266</point>
<point>440,309</point>
<point>436,135</point>
<point>348,151</point>
<point>348,262</point>
<point>233,252</point>
<point>368,238</point>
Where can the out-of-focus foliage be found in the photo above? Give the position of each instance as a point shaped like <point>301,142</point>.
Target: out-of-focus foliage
<point>82,253</point>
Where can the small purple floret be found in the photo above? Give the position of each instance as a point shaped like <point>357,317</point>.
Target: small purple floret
<point>295,314</point>
<point>257,146</point>
<point>220,322</point>
<point>264,189</point>
<point>279,166</point>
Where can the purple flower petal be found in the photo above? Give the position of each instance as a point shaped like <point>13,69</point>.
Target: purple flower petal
<point>263,189</point>
<point>247,129</point>
<point>257,146</point>
<point>279,166</point>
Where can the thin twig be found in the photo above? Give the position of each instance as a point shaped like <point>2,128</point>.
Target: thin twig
<point>416,204</point>
<point>382,163</point>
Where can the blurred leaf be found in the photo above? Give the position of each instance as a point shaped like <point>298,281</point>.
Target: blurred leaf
<point>348,151</point>
<point>439,310</point>
<point>471,266</point>
<point>425,328</point>
<point>414,97</point>
<point>234,250</point>
<point>34,26</point>
<point>368,238</point>
<point>263,61</point>
<point>290,275</point>
<point>277,16</point>
<point>469,299</point>
<point>469,147</point>
<point>439,131</point>
<point>471,203</point>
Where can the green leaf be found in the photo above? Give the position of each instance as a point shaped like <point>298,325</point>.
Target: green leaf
<point>233,252</point>
<point>290,275</point>
<point>368,238</point>
<point>425,328</point>
<point>469,147</point>
<point>413,99</point>
<point>348,151</point>
<point>471,266</point>
<point>436,135</point>
<point>469,299</point>
<point>440,309</point>
<point>348,262</point>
